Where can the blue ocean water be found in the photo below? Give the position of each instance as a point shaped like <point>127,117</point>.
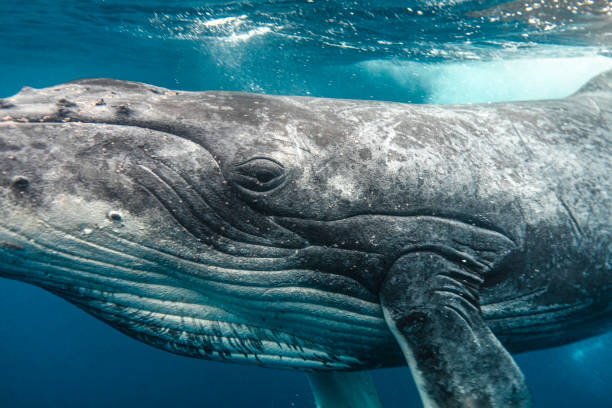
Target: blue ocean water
<point>447,51</point>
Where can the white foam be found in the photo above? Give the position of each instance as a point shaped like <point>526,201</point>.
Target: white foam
<point>223,21</point>
<point>492,81</point>
<point>242,37</point>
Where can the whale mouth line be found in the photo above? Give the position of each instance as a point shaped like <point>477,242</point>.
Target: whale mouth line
<point>431,213</point>
<point>135,265</point>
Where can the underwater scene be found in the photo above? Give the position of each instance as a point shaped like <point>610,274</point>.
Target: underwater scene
<point>466,55</point>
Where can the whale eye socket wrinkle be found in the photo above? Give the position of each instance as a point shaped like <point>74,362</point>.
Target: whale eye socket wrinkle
<point>259,174</point>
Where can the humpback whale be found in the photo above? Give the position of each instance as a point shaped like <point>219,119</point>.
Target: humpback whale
<point>329,236</point>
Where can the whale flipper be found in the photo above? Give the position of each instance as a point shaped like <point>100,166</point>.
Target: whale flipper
<point>431,304</point>
<point>344,389</point>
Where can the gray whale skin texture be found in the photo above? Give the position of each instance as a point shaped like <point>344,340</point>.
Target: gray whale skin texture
<point>323,235</point>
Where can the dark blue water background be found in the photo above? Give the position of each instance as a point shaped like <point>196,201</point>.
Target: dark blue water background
<point>52,354</point>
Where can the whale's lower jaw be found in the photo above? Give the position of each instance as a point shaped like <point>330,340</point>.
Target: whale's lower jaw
<point>210,317</point>
<point>181,328</point>
<point>209,338</point>
<point>212,333</point>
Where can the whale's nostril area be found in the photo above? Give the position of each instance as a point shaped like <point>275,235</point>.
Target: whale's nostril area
<point>114,216</point>
<point>20,183</point>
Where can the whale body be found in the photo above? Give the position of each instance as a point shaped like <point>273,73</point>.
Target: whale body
<point>323,235</point>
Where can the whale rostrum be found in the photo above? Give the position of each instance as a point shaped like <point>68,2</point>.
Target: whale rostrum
<point>329,236</point>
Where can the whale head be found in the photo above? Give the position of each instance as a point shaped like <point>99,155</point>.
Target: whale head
<point>185,220</point>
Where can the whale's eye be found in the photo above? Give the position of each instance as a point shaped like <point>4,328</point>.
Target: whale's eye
<point>259,174</point>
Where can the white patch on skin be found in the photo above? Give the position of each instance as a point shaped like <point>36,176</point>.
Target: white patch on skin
<point>344,185</point>
<point>77,214</point>
<point>298,142</point>
<point>69,209</point>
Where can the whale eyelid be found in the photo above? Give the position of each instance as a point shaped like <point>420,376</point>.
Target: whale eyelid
<point>260,166</point>
<point>252,159</point>
<point>259,174</point>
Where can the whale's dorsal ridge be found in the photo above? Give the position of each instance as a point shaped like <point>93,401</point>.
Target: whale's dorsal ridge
<point>601,83</point>
<point>116,85</point>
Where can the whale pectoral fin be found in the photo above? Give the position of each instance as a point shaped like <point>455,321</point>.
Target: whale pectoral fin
<point>343,389</point>
<point>431,305</point>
